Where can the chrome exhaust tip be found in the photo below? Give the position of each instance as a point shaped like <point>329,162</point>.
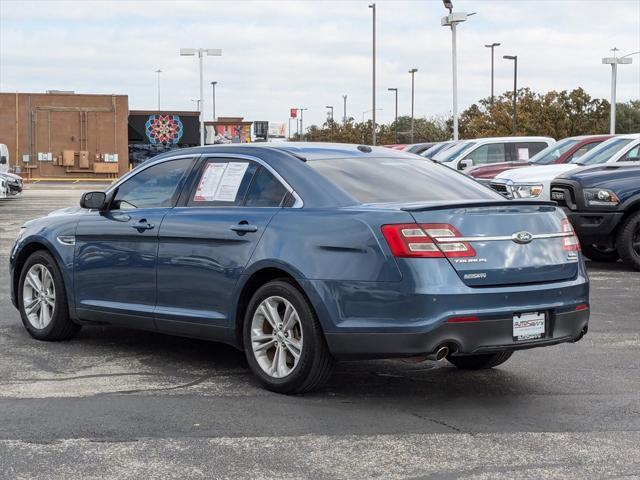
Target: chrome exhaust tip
<point>440,353</point>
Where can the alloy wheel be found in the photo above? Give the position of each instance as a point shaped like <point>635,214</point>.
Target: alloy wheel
<point>39,296</point>
<point>276,336</point>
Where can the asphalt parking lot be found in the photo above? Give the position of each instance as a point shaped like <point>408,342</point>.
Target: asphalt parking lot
<point>114,403</point>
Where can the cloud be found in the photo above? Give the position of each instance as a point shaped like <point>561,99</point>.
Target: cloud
<point>280,54</point>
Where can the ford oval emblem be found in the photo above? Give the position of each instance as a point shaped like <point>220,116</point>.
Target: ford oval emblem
<point>522,237</point>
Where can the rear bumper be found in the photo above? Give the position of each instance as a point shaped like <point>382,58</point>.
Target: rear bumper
<point>484,336</point>
<point>594,227</point>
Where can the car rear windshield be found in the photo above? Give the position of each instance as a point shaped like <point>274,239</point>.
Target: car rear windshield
<point>400,180</point>
<point>603,152</point>
<point>553,152</point>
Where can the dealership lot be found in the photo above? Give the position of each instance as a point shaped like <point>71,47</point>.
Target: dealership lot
<point>120,403</point>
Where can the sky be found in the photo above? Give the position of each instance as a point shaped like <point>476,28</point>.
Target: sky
<point>282,54</point>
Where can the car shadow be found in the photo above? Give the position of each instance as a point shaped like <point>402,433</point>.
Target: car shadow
<point>391,379</point>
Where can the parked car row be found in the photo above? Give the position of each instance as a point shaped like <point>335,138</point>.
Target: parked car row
<point>10,183</point>
<point>595,178</point>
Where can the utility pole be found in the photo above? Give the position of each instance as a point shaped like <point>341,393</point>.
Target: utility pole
<point>515,87</point>
<point>492,46</point>
<point>373,88</point>
<point>396,121</point>
<point>614,62</point>
<point>344,117</point>
<point>413,73</point>
<point>213,84</point>
<point>158,72</point>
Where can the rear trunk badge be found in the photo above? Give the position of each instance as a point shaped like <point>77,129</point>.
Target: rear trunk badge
<point>522,237</point>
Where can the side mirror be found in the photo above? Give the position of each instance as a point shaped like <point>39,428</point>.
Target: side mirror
<point>3,160</point>
<point>94,200</point>
<point>464,164</point>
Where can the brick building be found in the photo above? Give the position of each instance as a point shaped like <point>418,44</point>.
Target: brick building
<point>59,135</point>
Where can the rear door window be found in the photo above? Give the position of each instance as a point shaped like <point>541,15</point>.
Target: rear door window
<point>222,182</point>
<point>400,180</point>
<point>490,153</point>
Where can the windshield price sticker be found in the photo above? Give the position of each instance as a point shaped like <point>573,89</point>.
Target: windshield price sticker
<point>220,182</point>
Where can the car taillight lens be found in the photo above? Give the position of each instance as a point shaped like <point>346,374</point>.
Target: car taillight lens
<point>429,240</point>
<point>570,244</point>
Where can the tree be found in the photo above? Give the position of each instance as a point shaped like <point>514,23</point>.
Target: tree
<point>554,114</point>
<point>628,117</point>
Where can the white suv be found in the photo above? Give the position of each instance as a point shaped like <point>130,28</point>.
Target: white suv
<point>483,151</point>
<point>535,182</point>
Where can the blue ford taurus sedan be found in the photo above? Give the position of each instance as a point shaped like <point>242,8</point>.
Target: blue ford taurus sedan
<point>304,254</point>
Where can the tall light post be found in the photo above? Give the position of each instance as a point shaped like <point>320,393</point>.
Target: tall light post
<point>452,20</point>
<point>373,87</point>
<point>614,62</point>
<point>363,114</point>
<point>515,87</point>
<point>344,111</point>
<point>492,46</point>
<point>413,75</point>
<point>301,136</point>
<point>158,72</point>
<point>197,102</point>
<point>395,90</point>
<point>213,85</point>
<point>330,107</point>
<point>201,52</point>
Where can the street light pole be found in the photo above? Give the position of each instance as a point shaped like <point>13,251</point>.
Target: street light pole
<point>201,52</point>
<point>614,62</point>
<point>158,72</point>
<point>302,123</point>
<point>515,87</point>
<point>492,46</point>
<point>396,121</point>
<point>344,118</point>
<point>213,84</point>
<point>413,73</point>
<point>373,88</point>
<point>330,107</point>
<point>452,20</point>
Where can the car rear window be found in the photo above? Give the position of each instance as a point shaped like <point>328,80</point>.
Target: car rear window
<point>391,180</point>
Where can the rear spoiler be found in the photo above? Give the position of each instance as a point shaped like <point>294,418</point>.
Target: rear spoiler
<point>479,203</point>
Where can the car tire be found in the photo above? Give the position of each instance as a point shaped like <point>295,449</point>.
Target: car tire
<point>271,351</point>
<point>628,241</point>
<point>480,362</point>
<point>50,297</point>
<point>598,253</point>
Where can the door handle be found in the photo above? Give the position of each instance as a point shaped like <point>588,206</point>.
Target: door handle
<point>243,227</point>
<point>143,225</point>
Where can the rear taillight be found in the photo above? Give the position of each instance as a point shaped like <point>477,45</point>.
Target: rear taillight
<point>570,244</point>
<point>429,240</point>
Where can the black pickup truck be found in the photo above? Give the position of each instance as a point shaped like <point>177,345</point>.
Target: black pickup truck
<point>603,205</point>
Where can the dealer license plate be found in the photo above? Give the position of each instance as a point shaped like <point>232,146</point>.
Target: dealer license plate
<point>528,326</point>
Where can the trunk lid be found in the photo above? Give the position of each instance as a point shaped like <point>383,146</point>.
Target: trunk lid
<point>515,242</point>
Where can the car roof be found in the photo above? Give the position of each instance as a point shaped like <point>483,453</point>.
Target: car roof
<point>509,139</point>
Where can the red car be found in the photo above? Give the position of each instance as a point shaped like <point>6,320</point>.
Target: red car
<point>563,151</point>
